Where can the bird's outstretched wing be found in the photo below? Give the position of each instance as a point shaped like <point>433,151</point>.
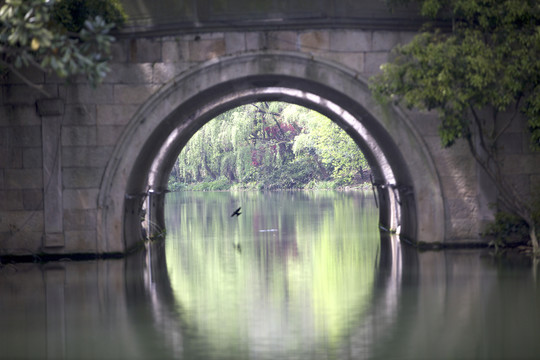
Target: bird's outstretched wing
<point>237,247</point>
<point>236,212</point>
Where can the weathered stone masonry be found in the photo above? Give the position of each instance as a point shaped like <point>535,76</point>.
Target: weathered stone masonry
<point>54,151</point>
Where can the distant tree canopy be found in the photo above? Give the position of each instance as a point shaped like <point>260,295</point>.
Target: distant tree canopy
<point>480,75</point>
<point>270,145</point>
<point>67,37</point>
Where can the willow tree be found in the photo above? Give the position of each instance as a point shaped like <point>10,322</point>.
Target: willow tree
<point>271,145</point>
<point>475,72</point>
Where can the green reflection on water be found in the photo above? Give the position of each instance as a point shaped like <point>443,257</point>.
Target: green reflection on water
<point>295,271</point>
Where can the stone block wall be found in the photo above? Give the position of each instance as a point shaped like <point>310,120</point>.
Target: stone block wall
<point>52,161</point>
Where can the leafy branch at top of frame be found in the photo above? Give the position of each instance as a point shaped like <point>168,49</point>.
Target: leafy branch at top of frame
<point>67,37</point>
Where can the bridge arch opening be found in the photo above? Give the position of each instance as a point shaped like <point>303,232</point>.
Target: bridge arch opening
<point>155,136</point>
<point>267,146</point>
<point>387,194</point>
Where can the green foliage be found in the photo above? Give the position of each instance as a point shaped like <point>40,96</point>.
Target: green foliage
<point>175,185</point>
<point>326,142</point>
<point>68,37</point>
<point>507,228</point>
<point>73,13</point>
<point>490,58</point>
<point>532,111</point>
<point>290,175</point>
<point>486,65</point>
<point>321,185</point>
<point>212,185</point>
<point>270,145</point>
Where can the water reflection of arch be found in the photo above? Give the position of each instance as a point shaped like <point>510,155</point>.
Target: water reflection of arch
<point>153,288</point>
<point>375,327</point>
<point>145,154</point>
<point>163,311</point>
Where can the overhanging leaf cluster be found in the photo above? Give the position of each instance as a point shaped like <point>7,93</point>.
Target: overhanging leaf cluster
<point>489,58</point>
<point>68,37</point>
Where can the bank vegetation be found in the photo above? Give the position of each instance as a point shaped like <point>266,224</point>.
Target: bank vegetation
<point>270,146</point>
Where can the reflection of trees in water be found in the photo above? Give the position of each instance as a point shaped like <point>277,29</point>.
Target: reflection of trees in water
<point>302,283</point>
<point>452,304</point>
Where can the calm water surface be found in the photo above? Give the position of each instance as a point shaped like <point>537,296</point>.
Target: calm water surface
<point>298,275</point>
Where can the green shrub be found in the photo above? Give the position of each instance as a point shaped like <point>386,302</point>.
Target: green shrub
<point>507,229</point>
<point>176,186</point>
<point>220,184</point>
<point>320,185</point>
<point>73,13</point>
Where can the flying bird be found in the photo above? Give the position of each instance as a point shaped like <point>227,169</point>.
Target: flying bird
<point>236,212</point>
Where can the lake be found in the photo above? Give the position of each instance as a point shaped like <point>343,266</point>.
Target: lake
<point>297,275</point>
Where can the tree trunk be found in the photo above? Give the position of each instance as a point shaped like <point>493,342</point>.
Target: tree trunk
<point>486,157</point>
<point>176,170</point>
<point>534,238</point>
<point>207,168</point>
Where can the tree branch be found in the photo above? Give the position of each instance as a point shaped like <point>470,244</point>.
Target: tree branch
<point>264,111</point>
<point>479,126</point>
<point>507,125</point>
<point>507,193</point>
<point>279,126</point>
<point>24,78</point>
<point>487,152</point>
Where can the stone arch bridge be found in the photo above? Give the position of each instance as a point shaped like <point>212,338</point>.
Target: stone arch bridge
<point>76,166</point>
